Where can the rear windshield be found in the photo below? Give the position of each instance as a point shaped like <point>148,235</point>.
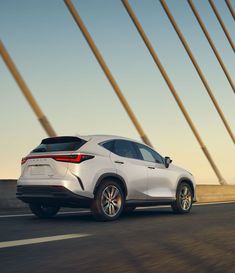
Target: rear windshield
<point>57,144</point>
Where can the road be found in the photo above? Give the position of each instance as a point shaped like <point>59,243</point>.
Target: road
<point>149,240</point>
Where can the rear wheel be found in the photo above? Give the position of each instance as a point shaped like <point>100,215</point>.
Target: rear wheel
<point>108,202</point>
<point>43,211</point>
<point>184,199</point>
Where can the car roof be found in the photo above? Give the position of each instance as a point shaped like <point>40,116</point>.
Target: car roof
<point>97,138</point>
<point>100,138</point>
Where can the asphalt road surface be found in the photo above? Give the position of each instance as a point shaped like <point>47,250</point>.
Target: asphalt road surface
<point>148,240</point>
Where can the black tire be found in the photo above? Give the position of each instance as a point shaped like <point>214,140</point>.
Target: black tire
<point>184,199</point>
<point>42,211</point>
<point>108,209</point>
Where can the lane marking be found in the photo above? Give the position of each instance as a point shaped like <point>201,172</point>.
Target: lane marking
<point>195,204</point>
<point>41,240</point>
<point>139,208</point>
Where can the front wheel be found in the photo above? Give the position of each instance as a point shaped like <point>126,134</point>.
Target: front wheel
<point>184,199</point>
<point>108,202</point>
<point>43,211</point>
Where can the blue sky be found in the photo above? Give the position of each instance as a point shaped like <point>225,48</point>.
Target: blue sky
<point>65,78</point>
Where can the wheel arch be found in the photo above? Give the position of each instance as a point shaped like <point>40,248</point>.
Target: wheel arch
<point>112,176</point>
<point>187,181</point>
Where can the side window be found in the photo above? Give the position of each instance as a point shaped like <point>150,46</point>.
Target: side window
<point>125,148</point>
<point>146,153</point>
<point>149,154</point>
<point>108,145</point>
<point>158,158</point>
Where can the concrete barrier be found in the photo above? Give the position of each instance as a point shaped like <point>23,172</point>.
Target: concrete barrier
<point>215,193</point>
<point>8,199</point>
<point>205,194</point>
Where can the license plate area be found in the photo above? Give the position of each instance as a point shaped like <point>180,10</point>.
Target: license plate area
<point>44,170</point>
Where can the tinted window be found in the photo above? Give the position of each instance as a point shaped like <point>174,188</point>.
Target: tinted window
<point>148,154</point>
<point>108,145</point>
<point>56,144</point>
<point>125,148</point>
<point>158,157</point>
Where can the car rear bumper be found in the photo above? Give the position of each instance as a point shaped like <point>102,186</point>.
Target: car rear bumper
<point>51,195</point>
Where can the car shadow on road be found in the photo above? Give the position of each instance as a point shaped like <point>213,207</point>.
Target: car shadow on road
<point>148,213</point>
<point>86,216</point>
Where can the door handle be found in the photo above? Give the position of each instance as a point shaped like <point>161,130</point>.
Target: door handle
<point>119,162</point>
<point>151,167</point>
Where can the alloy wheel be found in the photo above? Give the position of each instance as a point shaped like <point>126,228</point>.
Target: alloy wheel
<point>111,200</point>
<point>185,198</point>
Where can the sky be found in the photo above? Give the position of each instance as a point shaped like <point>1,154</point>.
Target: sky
<point>73,92</point>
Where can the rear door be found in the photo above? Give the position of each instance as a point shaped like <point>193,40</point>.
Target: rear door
<point>131,168</point>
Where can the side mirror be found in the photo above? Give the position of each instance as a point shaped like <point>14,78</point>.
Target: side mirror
<point>167,161</point>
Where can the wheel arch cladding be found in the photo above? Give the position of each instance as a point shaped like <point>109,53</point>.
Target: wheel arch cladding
<point>187,181</point>
<point>113,177</point>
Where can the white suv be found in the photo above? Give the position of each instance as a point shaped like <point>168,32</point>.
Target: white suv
<point>108,174</point>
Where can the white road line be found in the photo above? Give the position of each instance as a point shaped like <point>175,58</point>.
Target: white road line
<point>40,240</point>
<point>15,215</point>
<point>74,212</point>
<point>195,204</point>
<point>143,208</point>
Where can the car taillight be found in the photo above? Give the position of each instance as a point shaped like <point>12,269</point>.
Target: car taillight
<point>23,160</point>
<point>73,158</point>
<point>76,158</point>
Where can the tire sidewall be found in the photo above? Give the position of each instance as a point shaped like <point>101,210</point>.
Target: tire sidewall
<point>96,207</point>
<point>46,212</point>
<point>177,205</point>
